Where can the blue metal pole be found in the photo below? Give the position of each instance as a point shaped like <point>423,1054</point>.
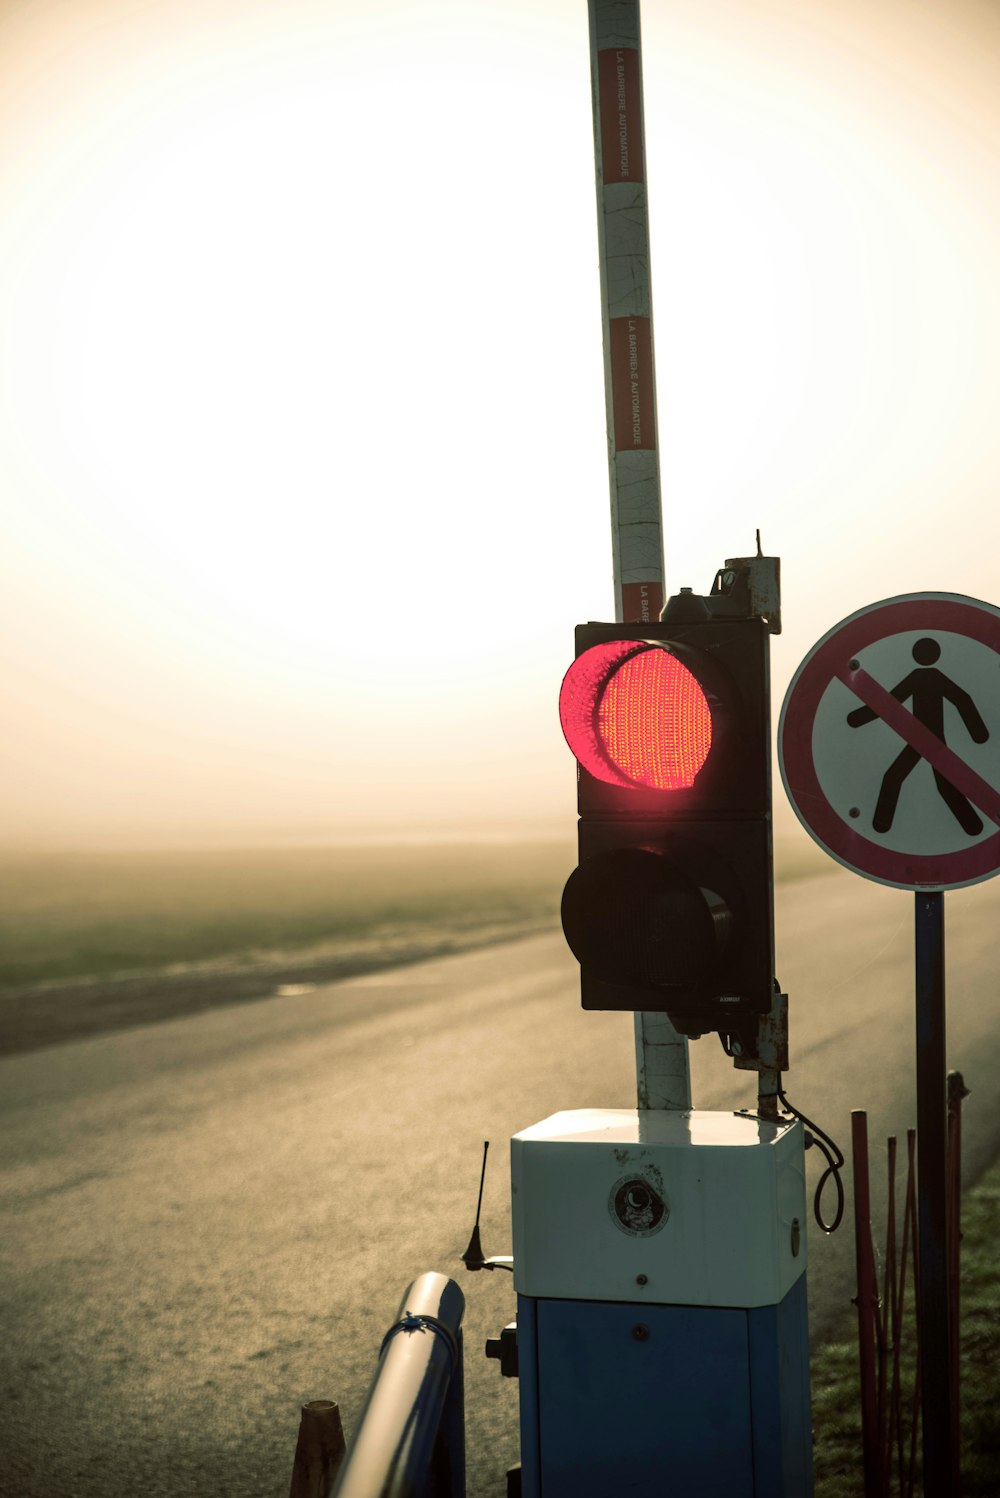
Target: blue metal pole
<point>932,1155</point>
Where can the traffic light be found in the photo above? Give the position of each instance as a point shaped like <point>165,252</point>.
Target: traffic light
<point>671,906</point>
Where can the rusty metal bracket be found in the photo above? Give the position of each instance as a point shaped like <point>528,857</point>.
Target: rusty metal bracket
<point>764,1051</point>
<point>749,588</point>
<point>767,1050</point>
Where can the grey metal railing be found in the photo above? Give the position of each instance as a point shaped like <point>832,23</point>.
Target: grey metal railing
<point>410,1438</point>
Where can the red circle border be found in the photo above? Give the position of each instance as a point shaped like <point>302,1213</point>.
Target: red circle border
<point>960,616</point>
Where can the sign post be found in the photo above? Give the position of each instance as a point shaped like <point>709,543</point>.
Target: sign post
<point>940,1459</point>
<point>880,748</point>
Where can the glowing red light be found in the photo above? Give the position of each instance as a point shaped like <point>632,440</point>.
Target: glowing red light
<point>633,714</point>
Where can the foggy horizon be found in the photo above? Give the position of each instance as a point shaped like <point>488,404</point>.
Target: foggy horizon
<point>303,447</point>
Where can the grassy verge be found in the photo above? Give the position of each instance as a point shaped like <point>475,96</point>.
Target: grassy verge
<point>98,915</point>
<point>836,1391</point>
<point>92,915</point>
<point>91,942</point>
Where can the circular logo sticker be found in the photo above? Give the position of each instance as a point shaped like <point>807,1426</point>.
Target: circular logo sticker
<point>636,1207</point>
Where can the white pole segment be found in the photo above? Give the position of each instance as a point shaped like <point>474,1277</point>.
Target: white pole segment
<point>662,1064</point>
<point>663,1075</point>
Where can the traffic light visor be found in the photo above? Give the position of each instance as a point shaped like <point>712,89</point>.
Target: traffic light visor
<point>634,715</point>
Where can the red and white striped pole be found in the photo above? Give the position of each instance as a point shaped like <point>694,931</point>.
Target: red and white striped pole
<point>627,309</point>
<point>663,1076</point>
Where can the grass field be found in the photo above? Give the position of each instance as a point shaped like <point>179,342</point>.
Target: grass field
<point>93,941</point>
<point>96,915</point>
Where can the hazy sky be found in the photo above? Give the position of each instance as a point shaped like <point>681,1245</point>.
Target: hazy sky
<point>302,444</point>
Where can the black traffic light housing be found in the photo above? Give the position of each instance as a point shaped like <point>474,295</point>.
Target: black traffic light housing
<point>671,907</point>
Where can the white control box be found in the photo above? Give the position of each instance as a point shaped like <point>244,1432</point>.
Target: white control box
<point>698,1208</point>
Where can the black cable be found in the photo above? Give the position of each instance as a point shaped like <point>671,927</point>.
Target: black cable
<point>833,1166</point>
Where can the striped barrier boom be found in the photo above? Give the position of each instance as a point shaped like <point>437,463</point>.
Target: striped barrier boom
<point>627,309</point>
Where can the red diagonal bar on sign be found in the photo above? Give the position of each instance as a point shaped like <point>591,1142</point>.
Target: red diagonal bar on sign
<point>962,776</point>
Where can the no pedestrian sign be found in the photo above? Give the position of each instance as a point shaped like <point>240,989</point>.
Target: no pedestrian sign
<point>889,741</point>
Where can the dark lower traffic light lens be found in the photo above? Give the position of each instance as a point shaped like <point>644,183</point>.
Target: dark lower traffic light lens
<point>630,916</point>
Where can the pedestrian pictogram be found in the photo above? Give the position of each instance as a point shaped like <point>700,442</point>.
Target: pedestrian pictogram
<point>889,741</point>
<point>929,690</point>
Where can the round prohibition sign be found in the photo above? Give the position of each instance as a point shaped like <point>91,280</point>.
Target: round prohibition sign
<point>889,741</point>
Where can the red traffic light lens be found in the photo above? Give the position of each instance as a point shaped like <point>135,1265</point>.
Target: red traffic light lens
<point>633,714</point>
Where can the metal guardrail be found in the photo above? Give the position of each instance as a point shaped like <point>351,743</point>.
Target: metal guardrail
<point>410,1439</point>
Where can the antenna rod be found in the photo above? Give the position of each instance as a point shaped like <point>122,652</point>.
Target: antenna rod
<point>474,1258</point>
<point>482,1178</point>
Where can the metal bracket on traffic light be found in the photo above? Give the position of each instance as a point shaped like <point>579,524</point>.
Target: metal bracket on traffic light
<point>749,588</point>
<point>765,1051</point>
<point>766,1047</point>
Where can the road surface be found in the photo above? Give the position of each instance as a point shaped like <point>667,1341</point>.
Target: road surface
<point>208,1221</point>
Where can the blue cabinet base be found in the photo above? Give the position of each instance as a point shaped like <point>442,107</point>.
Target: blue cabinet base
<point>638,1401</point>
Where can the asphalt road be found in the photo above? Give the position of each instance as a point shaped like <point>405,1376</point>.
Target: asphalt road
<point>208,1221</point>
